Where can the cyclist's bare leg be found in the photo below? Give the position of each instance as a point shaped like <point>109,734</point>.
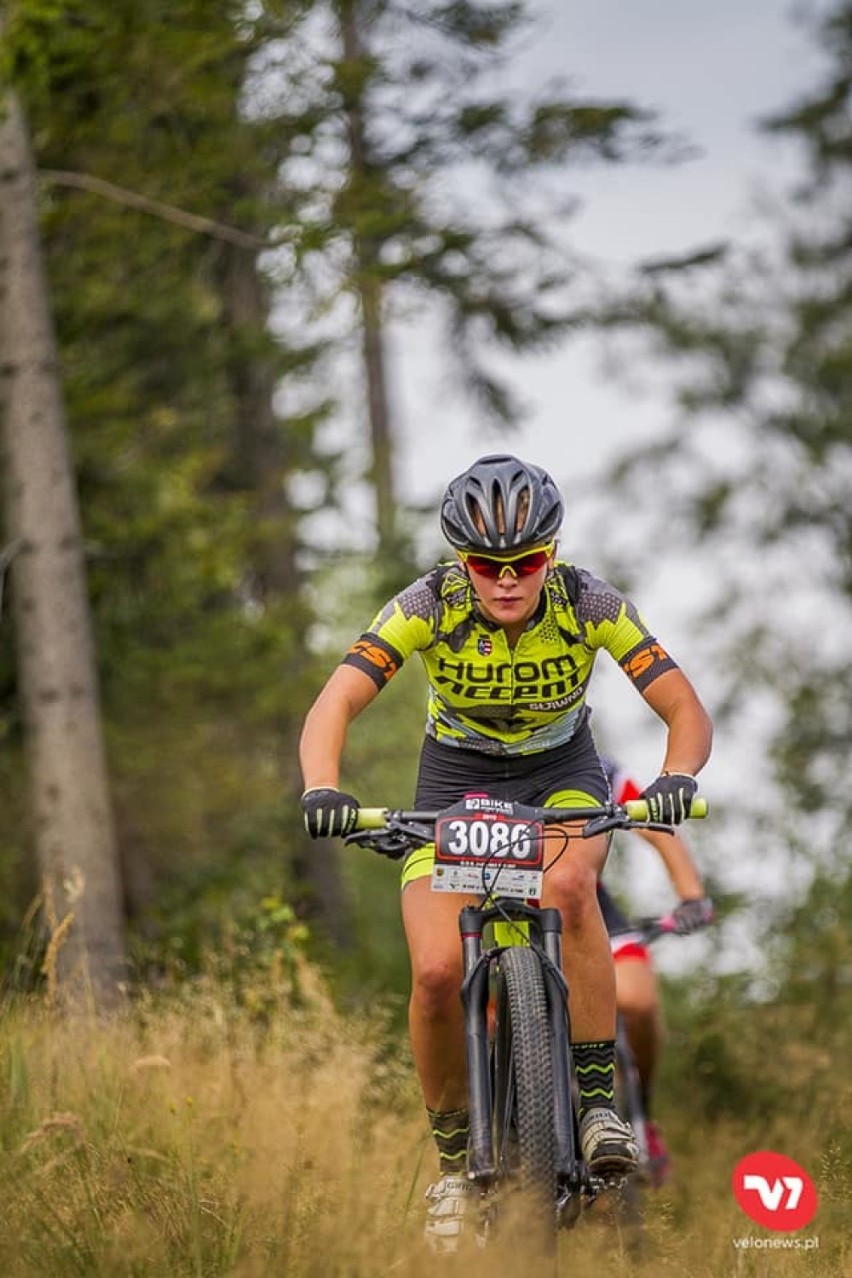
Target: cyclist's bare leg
<point>571,885</point>
<point>637,996</point>
<point>435,1018</point>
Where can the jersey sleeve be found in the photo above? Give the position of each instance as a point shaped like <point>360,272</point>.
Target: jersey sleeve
<point>647,662</point>
<point>406,624</point>
<point>612,621</point>
<point>374,658</point>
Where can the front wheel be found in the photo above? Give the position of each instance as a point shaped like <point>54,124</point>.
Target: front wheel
<point>524,1142</point>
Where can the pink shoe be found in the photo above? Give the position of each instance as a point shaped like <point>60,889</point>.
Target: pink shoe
<point>659,1158</point>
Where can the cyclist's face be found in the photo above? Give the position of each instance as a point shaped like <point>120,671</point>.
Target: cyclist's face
<point>510,599</point>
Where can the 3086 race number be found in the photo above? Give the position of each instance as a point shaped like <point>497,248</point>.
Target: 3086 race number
<point>488,839</point>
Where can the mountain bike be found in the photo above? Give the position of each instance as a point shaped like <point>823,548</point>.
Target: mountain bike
<point>628,1087</point>
<point>523,1119</point>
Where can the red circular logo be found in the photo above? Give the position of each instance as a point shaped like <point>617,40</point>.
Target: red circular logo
<point>774,1191</point>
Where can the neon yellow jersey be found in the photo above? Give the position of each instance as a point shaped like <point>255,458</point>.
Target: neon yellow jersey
<point>486,696</point>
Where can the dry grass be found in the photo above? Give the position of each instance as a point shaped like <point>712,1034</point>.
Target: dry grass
<point>188,1140</point>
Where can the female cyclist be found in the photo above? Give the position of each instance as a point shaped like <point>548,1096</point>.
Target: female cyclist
<point>508,634</point>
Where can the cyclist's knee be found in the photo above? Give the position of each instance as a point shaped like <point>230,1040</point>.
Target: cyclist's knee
<point>574,892</point>
<point>636,988</point>
<point>435,985</point>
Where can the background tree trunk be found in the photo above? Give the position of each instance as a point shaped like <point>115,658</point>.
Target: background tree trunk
<point>369,290</point>
<point>262,462</point>
<point>57,685</point>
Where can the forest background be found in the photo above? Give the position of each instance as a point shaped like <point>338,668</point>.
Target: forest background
<point>207,210</point>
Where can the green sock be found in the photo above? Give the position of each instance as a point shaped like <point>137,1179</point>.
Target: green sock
<point>594,1065</point>
<point>450,1129</point>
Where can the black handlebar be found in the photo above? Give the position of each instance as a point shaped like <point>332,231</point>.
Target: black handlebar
<point>394,832</point>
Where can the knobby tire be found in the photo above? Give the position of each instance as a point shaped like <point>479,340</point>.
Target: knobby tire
<point>523,1084</point>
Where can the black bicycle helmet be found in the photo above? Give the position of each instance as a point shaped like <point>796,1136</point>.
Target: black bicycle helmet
<point>501,504</point>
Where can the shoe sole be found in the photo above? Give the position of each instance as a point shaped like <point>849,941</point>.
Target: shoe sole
<point>613,1164</point>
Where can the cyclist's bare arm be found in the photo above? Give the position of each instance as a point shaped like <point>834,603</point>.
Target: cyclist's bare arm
<point>690,732</point>
<point>347,692</point>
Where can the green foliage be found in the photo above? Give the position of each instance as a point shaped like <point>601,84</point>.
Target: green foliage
<point>259,958</point>
<point>709,1064</point>
<point>814,956</point>
<point>481,25</point>
<point>166,354</point>
<point>380,768</point>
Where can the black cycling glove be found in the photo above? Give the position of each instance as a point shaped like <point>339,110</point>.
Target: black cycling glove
<point>692,914</point>
<point>669,798</point>
<point>329,812</point>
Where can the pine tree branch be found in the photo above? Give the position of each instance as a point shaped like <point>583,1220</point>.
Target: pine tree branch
<point>169,213</point>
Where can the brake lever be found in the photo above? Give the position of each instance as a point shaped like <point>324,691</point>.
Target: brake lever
<point>392,842</point>
<point>600,825</point>
<point>606,822</point>
<point>385,842</point>
<point>419,834</point>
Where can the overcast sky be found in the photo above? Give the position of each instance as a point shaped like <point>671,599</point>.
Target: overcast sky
<point>710,71</point>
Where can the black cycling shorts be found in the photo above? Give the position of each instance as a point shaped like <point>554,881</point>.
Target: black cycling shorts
<point>569,776</point>
<point>447,774</point>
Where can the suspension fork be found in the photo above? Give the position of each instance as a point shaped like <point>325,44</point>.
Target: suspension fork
<point>556,987</point>
<point>474,995</point>
<point>546,925</point>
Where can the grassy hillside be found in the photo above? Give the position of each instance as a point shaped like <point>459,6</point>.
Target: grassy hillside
<point>196,1137</point>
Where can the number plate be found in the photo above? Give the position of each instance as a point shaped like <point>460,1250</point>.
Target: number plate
<point>489,845</point>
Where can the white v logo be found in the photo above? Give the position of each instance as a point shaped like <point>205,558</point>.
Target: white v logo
<point>771,1196</point>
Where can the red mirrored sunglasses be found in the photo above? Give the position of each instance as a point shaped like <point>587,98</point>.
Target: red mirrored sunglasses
<point>520,566</point>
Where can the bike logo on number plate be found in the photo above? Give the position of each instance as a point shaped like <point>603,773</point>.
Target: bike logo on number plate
<point>483,843</point>
<point>774,1191</point>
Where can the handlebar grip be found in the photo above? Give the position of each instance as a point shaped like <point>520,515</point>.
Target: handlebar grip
<point>637,809</point>
<point>371,819</point>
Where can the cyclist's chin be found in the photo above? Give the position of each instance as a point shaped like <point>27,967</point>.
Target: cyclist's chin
<point>506,610</point>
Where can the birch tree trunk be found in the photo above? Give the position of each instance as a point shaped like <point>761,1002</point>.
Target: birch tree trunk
<point>72,821</point>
